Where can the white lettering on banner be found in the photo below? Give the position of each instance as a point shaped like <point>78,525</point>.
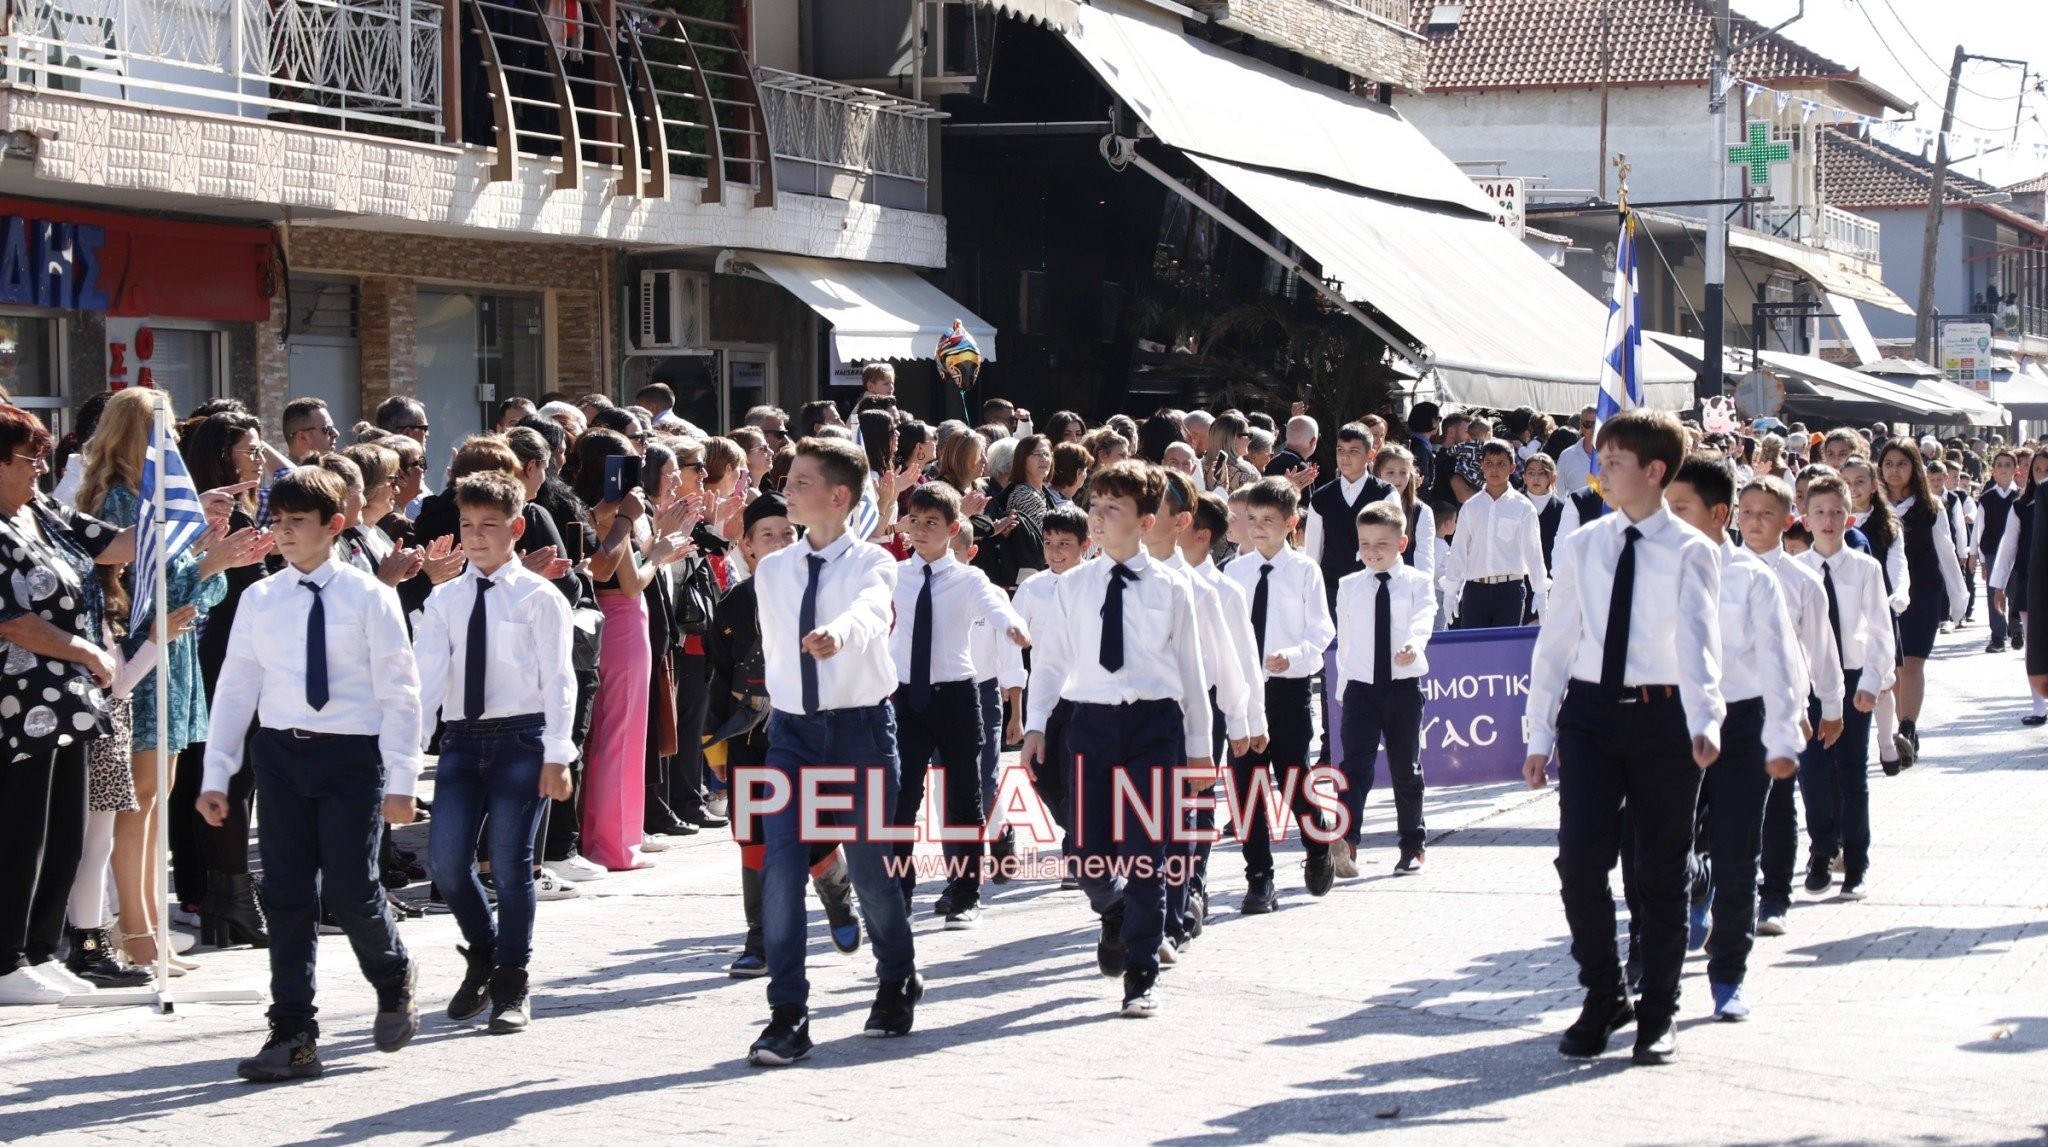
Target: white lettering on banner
<point>1475,685</point>
<point>1473,732</point>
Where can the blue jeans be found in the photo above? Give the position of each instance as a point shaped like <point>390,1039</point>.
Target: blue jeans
<point>864,738</point>
<point>489,776</point>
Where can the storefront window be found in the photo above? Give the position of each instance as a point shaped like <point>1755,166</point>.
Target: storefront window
<point>185,364</point>
<point>28,359</point>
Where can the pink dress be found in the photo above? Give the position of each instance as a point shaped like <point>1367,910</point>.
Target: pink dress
<point>615,759</point>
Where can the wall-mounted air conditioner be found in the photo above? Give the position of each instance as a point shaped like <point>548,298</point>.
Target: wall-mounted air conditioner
<point>672,311</point>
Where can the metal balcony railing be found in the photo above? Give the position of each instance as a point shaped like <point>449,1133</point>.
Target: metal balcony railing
<point>1394,12</point>
<point>850,143</point>
<point>367,65</point>
<point>1828,228</point>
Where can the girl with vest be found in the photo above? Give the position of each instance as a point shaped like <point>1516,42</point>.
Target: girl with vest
<point>1935,573</point>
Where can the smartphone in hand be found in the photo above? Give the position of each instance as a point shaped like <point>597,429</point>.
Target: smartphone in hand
<point>621,476</point>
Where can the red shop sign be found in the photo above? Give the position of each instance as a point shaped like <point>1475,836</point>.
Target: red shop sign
<point>72,258</point>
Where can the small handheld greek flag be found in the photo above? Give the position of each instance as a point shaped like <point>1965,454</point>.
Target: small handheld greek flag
<point>184,521</point>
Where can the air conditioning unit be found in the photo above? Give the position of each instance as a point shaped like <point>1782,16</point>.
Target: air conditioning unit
<point>673,311</point>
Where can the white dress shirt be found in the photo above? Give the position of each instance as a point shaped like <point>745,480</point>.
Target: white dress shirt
<point>1574,469</point>
<point>1674,635</point>
<point>373,684</point>
<point>1219,652</point>
<point>1866,639</point>
<point>527,668</point>
<point>1033,603</point>
<point>2008,550</point>
<point>1298,625</point>
<point>2009,495</point>
<point>855,588</point>
<point>1755,661</point>
<point>1806,600</point>
<point>1497,536</point>
<point>1313,530</point>
<point>1894,559</point>
<point>1942,532</point>
<point>962,598</point>
<point>1237,618</point>
<point>1413,601</point>
<point>1162,647</point>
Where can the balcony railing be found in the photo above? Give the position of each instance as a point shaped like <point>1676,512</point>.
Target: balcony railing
<point>1828,228</point>
<point>1395,12</point>
<point>369,65</point>
<point>848,143</point>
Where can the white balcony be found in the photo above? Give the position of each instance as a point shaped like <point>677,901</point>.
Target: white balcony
<point>1825,228</point>
<point>845,142</point>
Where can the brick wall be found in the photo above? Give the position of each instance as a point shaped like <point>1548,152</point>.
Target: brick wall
<point>389,317</point>
<point>1335,32</point>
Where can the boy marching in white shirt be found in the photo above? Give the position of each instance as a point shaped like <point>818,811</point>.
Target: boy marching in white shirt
<point>1834,778</point>
<point>1625,685</point>
<point>1765,689</point>
<point>1065,533</point>
<point>319,667</point>
<point>1498,547</point>
<point>493,652</point>
<point>1385,614</point>
<point>1290,615</point>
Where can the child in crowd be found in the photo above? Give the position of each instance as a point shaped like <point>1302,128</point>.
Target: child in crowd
<point>1385,613</point>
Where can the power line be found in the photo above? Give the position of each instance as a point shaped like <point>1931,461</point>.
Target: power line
<point>1907,71</point>
<point>1922,48</point>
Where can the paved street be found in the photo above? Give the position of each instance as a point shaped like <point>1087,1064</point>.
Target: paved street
<point>1427,1008</point>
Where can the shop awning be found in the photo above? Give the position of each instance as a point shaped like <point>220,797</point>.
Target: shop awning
<point>878,311</point>
<point>1927,380</point>
<point>1820,390</point>
<point>1820,267</point>
<point>1502,328</point>
<point>1207,100</point>
<point>2022,392</point>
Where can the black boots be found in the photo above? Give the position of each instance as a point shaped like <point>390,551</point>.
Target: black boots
<point>509,1009</point>
<point>470,998</point>
<point>230,915</point>
<point>94,958</point>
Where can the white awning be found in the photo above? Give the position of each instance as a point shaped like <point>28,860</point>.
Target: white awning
<point>878,311</point>
<point>1818,389</point>
<point>1502,328</point>
<point>1207,100</point>
<point>1820,267</point>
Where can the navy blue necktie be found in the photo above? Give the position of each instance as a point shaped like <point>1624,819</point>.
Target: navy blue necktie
<point>921,647</point>
<point>316,650</point>
<point>806,621</point>
<point>1827,581</point>
<point>1112,653</point>
<point>1614,654</point>
<point>478,654</point>
<point>1383,632</point>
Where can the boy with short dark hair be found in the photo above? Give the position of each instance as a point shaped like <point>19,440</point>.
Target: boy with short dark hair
<point>1291,627</point>
<point>321,688</point>
<point>1496,575</point>
<point>1065,531</point>
<point>1385,614</point>
<point>1625,686</point>
<point>1127,657</point>
<point>493,653</point>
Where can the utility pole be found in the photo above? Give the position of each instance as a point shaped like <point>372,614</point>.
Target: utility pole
<point>1709,383</point>
<point>1930,245</point>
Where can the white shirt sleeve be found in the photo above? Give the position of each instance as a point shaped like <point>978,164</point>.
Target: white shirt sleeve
<point>1951,574</point>
<point>234,705</point>
<point>430,656</point>
<point>2008,550</point>
<point>397,687</point>
<point>1556,642</point>
<point>1423,544</point>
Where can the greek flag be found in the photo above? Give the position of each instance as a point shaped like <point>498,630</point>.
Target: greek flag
<point>1621,371</point>
<point>184,521</point>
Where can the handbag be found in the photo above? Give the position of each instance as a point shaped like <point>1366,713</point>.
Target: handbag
<point>695,597</point>
<point>586,637</point>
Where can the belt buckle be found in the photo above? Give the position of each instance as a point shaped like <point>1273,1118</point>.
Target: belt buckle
<point>301,735</point>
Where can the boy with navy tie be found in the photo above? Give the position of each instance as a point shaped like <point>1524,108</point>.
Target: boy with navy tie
<point>938,697</point>
<point>1291,627</point>
<point>1385,614</point>
<point>320,686</point>
<point>493,653</point>
<point>1625,685</point>
<point>824,612</point>
<point>1129,659</point>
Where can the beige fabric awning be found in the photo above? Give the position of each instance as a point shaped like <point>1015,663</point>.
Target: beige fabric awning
<point>878,311</point>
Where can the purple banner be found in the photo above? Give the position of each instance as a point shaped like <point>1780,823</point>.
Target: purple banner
<point>1472,704</point>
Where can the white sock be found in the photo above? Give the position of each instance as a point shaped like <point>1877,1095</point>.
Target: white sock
<point>2040,705</point>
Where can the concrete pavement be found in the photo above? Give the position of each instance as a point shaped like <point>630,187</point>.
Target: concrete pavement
<point>1425,1008</point>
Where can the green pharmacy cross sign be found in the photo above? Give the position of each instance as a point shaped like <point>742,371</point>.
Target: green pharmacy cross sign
<point>1759,154</point>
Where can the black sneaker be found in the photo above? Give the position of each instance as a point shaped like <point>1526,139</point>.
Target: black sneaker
<point>786,1039</point>
<point>1198,913</point>
<point>1995,647</point>
<point>1318,873</point>
<point>1109,949</point>
<point>1259,897</point>
<point>964,916</point>
<point>1656,1041</point>
<point>1002,856</point>
<point>473,995</point>
<point>1602,1016</point>
<point>1820,874</point>
<point>895,1007</point>
<point>285,1056</point>
<point>398,1013</point>
<point>1854,886</point>
<point>510,1004</point>
<point>943,906</point>
<point>1140,1002</point>
<point>1410,862</point>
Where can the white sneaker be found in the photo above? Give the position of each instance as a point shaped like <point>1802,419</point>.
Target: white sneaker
<point>55,974</point>
<point>654,844</point>
<point>1770,925</point>
<point>718,804</point>
<point>1343,862</point>
<point>548,886</point>
<point>23,986</point>
<point>183,918</point>
<point>578,869</point>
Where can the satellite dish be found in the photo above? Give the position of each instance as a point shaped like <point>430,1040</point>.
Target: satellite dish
<point>1759,395</point>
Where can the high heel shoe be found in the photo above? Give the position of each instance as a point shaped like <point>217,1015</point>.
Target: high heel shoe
<point>139,949</point>
<point>230,914</point>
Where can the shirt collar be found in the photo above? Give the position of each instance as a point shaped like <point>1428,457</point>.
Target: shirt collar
<point>505,572</point>
<point>1349,488</point>
<point>1651,526</point>
<point>946,561</point>
<point>320,576</point>
<point>832,552</point>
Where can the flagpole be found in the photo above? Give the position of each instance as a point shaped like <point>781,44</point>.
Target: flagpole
<point>162,436</point>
